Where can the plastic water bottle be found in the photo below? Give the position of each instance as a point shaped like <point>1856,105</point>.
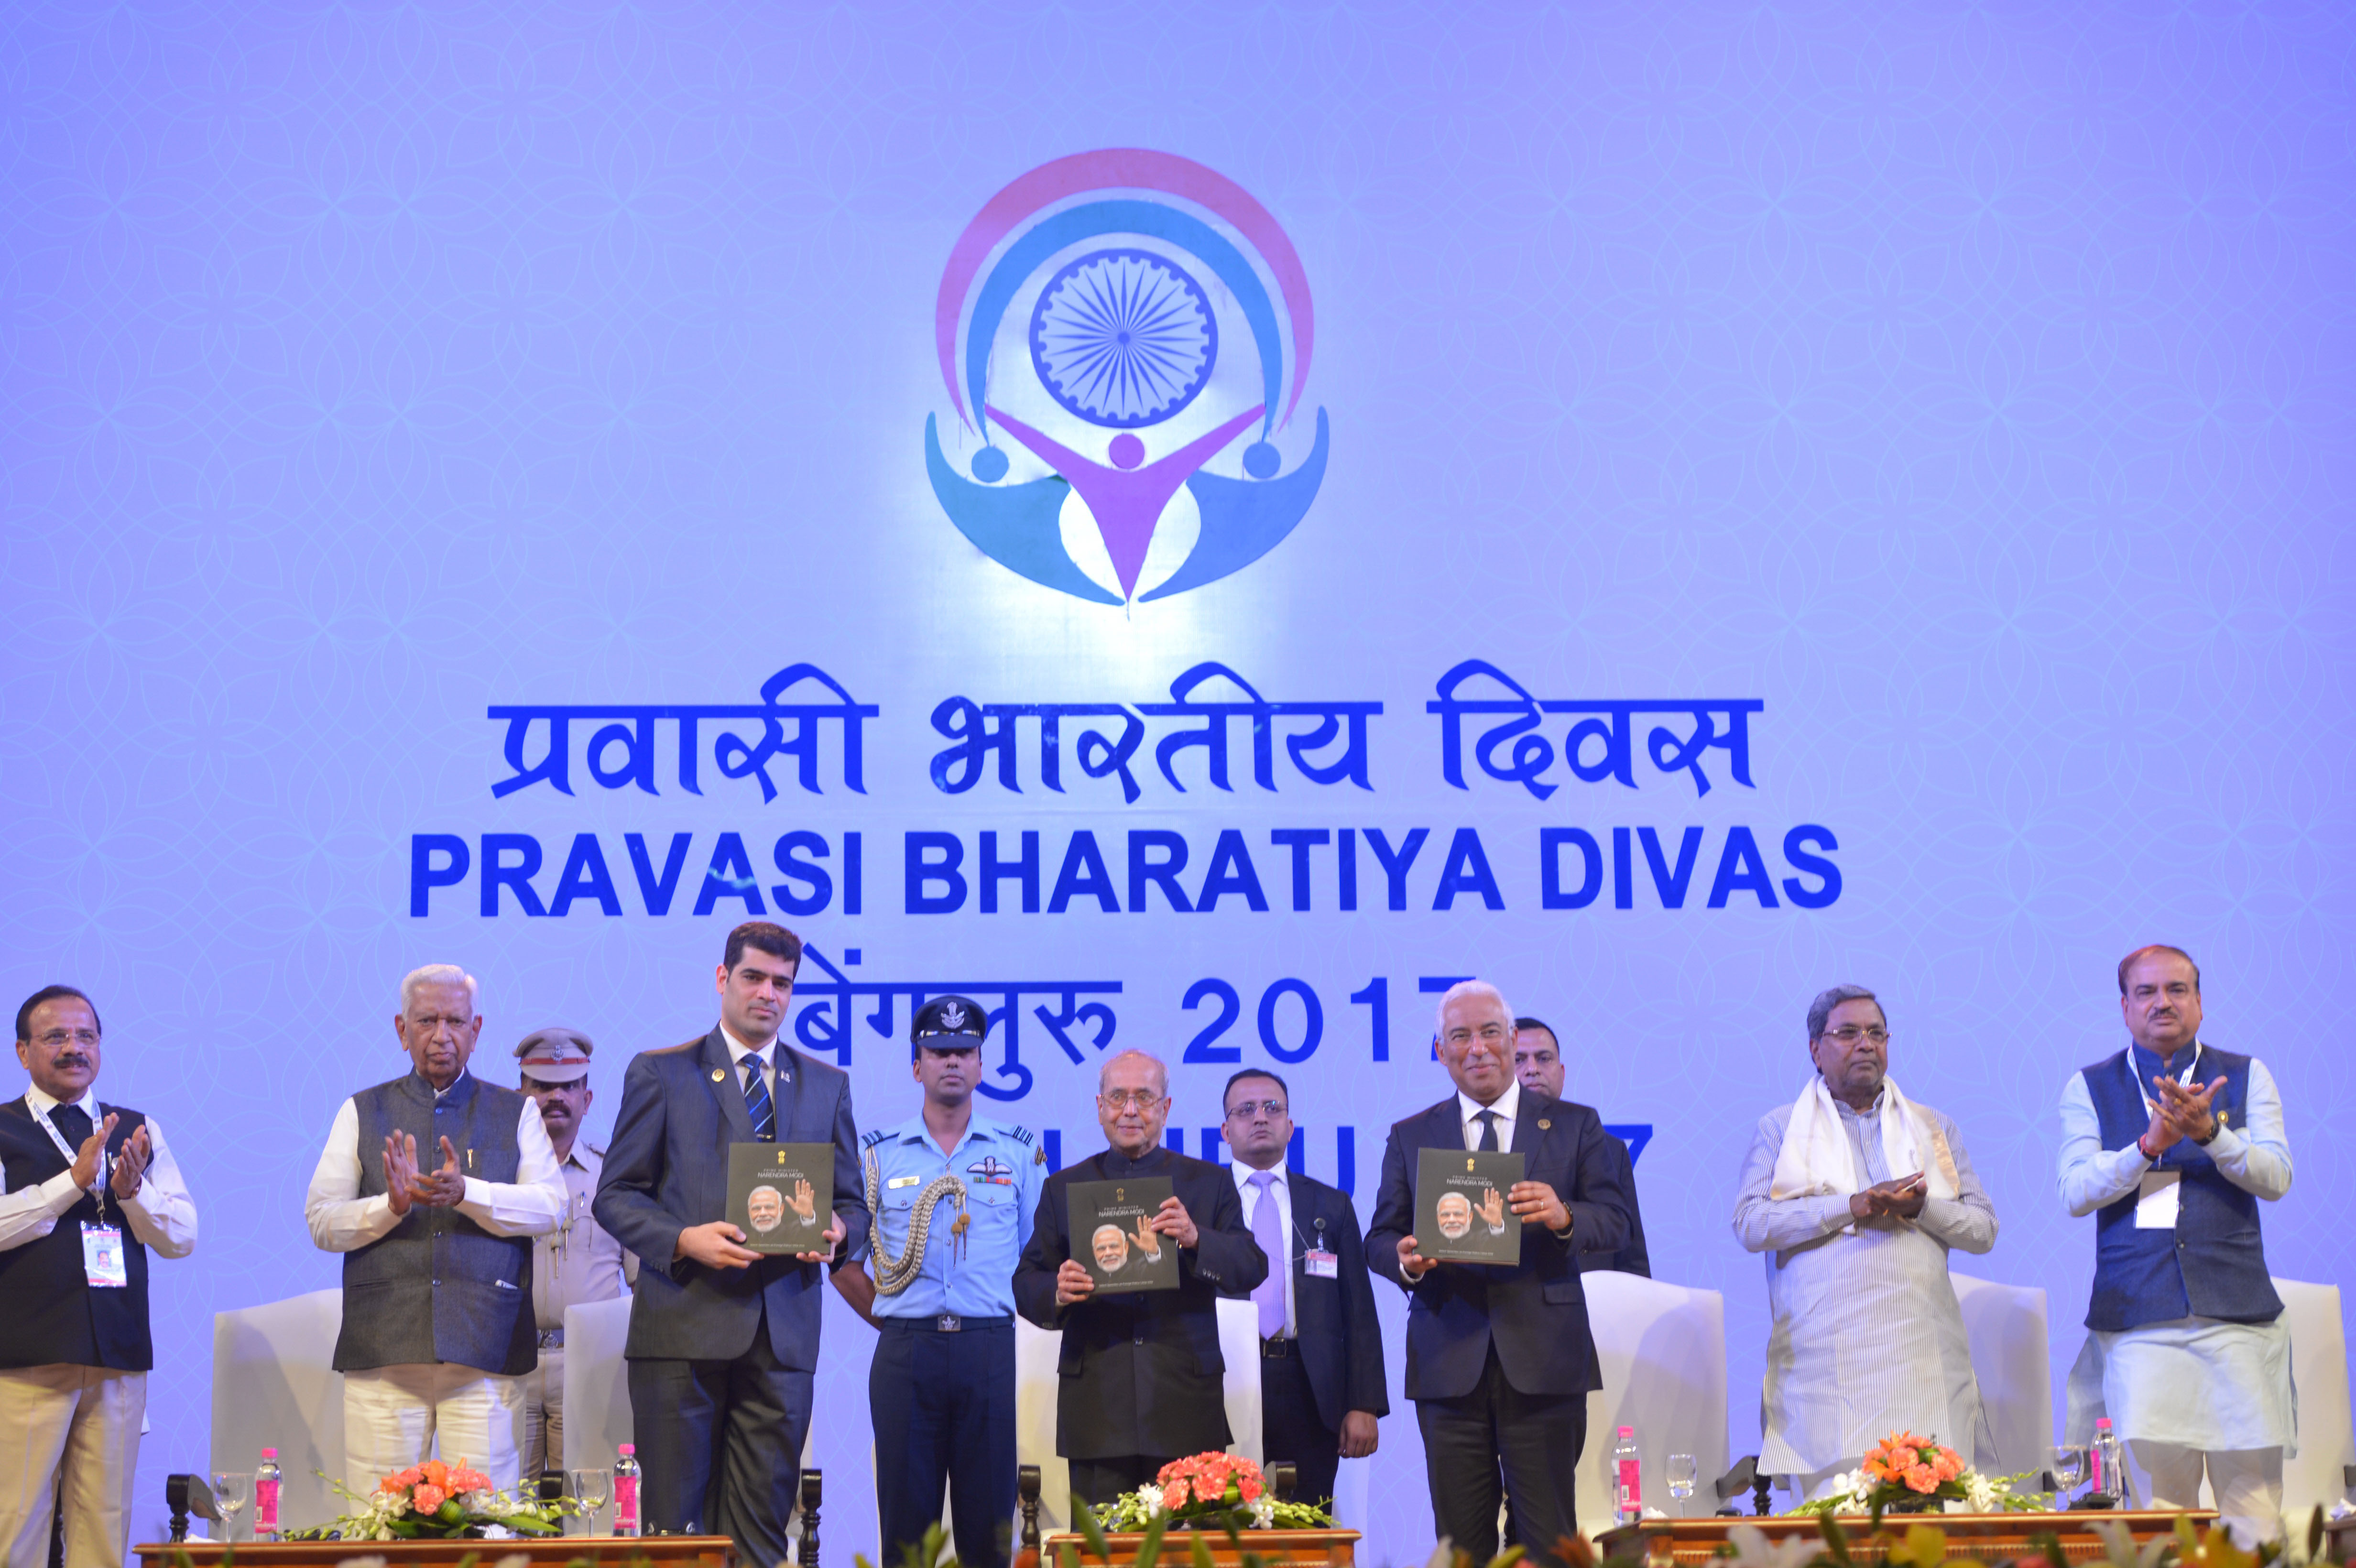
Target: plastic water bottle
<point>265,1497</point>
<point>2106,1473</point>
<point>1627,1480</point>
<point>626,1491</point>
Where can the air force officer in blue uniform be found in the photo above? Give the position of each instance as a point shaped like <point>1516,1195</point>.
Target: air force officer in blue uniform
<point>1499,1360</point>
<point>941,1388</point>
<point>723,1339</point>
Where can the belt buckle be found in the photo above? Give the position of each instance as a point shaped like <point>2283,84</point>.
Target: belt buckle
<point>947,1323</point>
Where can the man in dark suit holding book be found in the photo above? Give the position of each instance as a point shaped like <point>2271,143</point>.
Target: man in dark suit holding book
<point>1141,1372</point>
<point>723,1340</point>
<point>1321,1344</point>
<point>1499,1359</point>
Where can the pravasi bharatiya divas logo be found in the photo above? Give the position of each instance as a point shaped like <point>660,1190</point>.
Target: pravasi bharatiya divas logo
<point>1110,325</point>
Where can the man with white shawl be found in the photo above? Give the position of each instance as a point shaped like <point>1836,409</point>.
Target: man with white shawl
<point>1856,1194</point>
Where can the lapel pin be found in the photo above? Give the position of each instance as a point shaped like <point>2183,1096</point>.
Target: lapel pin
<point>717,1075</point>
<point>1544,1126</point>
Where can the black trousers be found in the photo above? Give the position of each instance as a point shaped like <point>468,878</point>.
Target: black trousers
<point>1496,1439</point>
<point>721,1444</point>
<point>1290,1428</point>
<point>1097,1481</point>
<point>943,1408</point>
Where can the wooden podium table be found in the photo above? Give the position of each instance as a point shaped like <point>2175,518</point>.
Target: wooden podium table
<point>664,1551</point>
<point>1275,1547</point>
<point>1691,1542</point>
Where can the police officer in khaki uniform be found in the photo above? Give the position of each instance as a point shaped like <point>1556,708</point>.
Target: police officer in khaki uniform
<point>577,1262</point>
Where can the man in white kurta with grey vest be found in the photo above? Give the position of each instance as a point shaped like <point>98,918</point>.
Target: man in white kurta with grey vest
<point>2171,1143</point>
<point>1856,1193</point>
<point>432,1186</point>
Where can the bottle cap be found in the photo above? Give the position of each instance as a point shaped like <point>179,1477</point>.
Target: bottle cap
<point>1627,1432</point>
<point>270,1452</point>
<point>628,1447</point>
<point>2101,1423</point>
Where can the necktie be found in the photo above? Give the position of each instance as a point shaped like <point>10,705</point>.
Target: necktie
<point>1268,1296</point>
<point>756,1099</point>
<point>1488,1144</point>
<point>72,1123</point>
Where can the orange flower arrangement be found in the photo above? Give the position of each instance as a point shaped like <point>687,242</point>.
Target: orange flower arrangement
<point>1206,1479</point>
<point>1915,1463</point>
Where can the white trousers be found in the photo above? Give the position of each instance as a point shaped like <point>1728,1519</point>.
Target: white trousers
<point>396,1416</point>
<point>2246,1482</point>
<point>543,1415</point>
<point>84,1421</point>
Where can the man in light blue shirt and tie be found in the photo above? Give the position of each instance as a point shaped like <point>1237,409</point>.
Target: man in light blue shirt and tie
<point>953,1195</point>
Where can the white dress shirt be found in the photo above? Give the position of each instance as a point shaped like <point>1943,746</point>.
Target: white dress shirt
<point>1508,1107</point>
<point>161,1214</point>
<point>2255,1157</point>
<point>342,1220</point>
<point>1280,1194</point>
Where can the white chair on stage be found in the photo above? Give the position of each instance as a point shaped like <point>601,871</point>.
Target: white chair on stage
<point>2013,1359</point>
<point>2318,1362</point>
<point>1662,1348</point>
<point>274,1387</point>
<point>597,1419</point>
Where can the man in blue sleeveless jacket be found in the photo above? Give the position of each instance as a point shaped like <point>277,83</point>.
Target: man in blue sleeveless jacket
<point>432,1186</point>
<point>2187,1351</point>
<point>90,1189</point>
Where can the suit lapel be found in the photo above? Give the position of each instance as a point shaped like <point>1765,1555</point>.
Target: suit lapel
<point>787,1085</point>
<point>1526,1125</point>
<point>727,1091</point>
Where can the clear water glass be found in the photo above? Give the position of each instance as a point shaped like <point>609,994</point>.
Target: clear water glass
<point>1683,1473</point>
<point>593,1489</point>
<point>2069,1469</point>
<point>233,1491</point>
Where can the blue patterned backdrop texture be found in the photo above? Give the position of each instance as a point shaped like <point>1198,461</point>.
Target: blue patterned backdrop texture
<point>1968,382</point>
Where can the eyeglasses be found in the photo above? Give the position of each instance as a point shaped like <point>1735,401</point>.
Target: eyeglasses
<point>1246,1109</point>
<point>1129,1099</point>
<point>59,1038</point>
<point>1849,1034</point>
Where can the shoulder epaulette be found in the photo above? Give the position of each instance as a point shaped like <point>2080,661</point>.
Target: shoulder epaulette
<point>870,1139</point>
<point>1020,1134</point>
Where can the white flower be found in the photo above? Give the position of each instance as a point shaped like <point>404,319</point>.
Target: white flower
<point>1263,1510</point>
<point>1984,1495</point>
<point>498,1533</point>
<point>1149,1496</point>
<point>1754,1549</point>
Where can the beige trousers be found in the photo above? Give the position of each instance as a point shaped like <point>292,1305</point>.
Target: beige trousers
<point>543,1415</point>
<point>396,1416</point>
<point>84,1420</point>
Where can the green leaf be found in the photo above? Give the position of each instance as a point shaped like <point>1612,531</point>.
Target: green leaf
<point>1836,1538</point>
<point>1200,1547</point>
<point>1149,1551</point>
<point>1065,1557</point>
<point>1085,1517</point>
<point>2315,1533</point>
<point>1508,1557</point>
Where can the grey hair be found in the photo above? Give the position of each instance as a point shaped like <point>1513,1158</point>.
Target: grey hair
<point>1470,988</point>
<point>1159,1066</point>
<point>437,975</point>
<point>1827,1001</point>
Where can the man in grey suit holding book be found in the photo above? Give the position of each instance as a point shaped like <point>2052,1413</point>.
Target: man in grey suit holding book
<point>723,1340</point>
<point>1499,1359</point>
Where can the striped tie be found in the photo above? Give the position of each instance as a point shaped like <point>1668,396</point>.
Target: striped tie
<point>756,1099</point>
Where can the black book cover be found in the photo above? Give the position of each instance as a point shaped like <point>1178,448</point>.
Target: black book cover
<point>780,1195</point>
<point>1461,1215</point>
<point>1111,1236</point>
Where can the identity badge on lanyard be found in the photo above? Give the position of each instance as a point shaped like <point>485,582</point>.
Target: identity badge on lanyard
<point>1317,1262</point>
<point>2159,1193</point>
<point>102,1262</point>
